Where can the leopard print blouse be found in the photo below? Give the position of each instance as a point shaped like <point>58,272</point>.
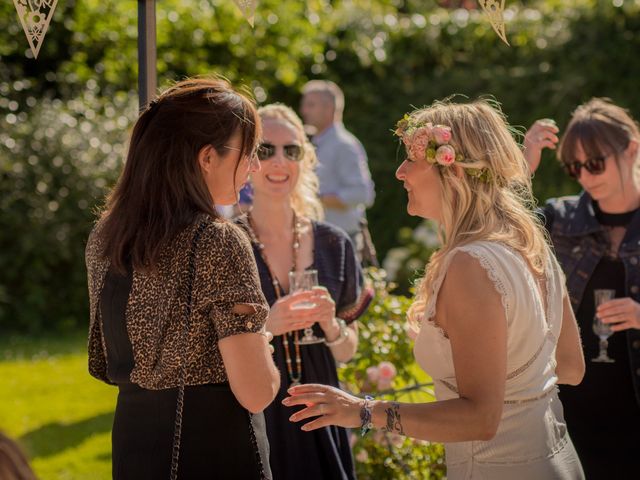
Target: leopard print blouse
<point>225,275</point>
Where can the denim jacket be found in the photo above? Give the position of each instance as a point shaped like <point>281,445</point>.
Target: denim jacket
<point>580,243</point>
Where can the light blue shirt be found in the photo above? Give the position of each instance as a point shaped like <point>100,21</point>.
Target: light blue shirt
<point>343,171</point>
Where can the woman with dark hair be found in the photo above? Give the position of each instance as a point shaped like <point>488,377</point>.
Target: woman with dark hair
<point>596,236</point>
<point>177,312</point>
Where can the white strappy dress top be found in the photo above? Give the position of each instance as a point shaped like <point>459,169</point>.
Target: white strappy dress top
<point>532,440</point>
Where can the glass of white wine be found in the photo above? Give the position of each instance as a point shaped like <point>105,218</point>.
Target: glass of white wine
<point>299,282</point>
<point>602,330</point>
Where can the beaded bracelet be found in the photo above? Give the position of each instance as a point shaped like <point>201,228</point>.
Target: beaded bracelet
<point>366,415</point>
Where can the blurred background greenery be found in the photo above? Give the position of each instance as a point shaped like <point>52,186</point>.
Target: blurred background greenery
<point>64,117</point>
<point>64,120</point>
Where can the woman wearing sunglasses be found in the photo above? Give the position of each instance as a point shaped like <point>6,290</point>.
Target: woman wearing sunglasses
<point>288,236</point>
<point>596,236</point>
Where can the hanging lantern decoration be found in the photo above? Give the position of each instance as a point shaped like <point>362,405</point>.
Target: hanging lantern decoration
<point>494,9</point>
<point>35,16</point>
<point>248,9</point>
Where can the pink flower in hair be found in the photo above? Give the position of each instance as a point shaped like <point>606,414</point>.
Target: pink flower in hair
<point>445,155</point>
<point>419,143</point>
<point>441,134</point>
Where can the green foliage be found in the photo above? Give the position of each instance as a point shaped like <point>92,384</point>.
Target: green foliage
<point>406,262</point>
<point>383,339</point>
<point>386,54</point>
<point>47,203</point>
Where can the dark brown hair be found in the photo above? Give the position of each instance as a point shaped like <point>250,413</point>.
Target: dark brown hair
<point>161,189</point>
<point>600,127</point>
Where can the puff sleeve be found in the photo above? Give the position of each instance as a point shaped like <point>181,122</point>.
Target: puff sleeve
<point>229,277</point>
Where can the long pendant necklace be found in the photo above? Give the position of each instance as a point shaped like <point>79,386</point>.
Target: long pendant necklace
<point>295,375</point>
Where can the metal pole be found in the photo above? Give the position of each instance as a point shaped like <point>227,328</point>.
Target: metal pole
<point>147,74</point>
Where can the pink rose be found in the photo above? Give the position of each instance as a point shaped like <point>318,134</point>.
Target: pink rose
<point>419,143</point>
<point>362,456</point>
<point>373,374</point>
<point>387,370</point>
<point>445,155</point>
<point>441,134</point>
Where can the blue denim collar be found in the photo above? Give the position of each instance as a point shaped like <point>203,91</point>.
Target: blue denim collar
<point>582,220</point>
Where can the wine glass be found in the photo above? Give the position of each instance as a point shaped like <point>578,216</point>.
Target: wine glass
<point>299,282</point>
<point>602,330</point>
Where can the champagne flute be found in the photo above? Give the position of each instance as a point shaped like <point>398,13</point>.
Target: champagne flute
<point>299,282</point>
<point>602,330</point>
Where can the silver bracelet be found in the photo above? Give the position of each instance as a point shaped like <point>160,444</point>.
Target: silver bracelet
<point>344,334</point>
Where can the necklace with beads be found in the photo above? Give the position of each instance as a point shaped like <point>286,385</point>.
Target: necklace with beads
<point>295,374</point>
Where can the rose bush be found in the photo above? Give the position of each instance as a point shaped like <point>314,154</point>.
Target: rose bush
<point>385,368</point>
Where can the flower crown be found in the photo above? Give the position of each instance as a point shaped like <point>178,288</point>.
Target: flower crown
<point>431,142</point>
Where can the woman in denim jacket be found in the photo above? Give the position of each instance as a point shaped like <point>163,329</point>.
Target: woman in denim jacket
<point>596,236</point>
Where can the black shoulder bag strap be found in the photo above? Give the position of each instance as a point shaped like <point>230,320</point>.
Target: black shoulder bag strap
<point>177,429</point>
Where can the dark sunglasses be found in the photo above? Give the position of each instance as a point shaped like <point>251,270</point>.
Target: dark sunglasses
<point>594,165</point>
<point>292,152</point>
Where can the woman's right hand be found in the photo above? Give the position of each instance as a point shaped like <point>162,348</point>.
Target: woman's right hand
<point>283,318</point>
<point>542,134</point>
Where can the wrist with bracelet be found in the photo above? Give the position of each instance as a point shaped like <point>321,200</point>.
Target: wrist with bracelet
<point>342,336</point>
<point>366,415</point>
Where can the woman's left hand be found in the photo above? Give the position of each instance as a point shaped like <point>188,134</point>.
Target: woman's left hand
<point>622,313</point>
<point>330,404</point>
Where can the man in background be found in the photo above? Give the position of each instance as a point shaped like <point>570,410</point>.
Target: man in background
<point>346,188</point>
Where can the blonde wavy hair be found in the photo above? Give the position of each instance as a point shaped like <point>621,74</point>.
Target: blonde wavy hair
<point>499,210</point>
<point>304,199</point>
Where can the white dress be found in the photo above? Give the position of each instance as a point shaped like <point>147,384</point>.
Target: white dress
<point>532,440</point>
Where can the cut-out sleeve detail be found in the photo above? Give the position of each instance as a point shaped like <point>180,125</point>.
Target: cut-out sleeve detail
<point>226,322</point>
<point>231,282</point>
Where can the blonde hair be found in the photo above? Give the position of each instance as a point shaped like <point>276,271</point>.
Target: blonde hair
<point>499,210</point>
<point>304,199</point>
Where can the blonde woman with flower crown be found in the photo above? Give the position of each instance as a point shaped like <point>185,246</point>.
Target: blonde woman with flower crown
<point>495,329</point>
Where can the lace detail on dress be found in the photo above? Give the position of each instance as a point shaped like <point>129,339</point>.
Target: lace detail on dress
<point>493,274</point>
<point>499,282</point>
<point>548,336</point>
<point>518,401</point>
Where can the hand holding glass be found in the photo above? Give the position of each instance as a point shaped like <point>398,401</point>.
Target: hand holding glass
<point>602,330</point>
<point>303,281</point>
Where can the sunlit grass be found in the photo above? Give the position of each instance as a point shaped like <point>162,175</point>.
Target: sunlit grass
<point>60,415</point>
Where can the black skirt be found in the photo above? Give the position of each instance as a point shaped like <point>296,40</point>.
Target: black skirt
<point>220,439</point>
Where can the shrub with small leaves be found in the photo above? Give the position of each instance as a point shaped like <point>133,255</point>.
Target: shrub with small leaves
<point>385,368</point>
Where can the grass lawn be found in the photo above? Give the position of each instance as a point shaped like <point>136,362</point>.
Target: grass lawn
<point>60,415</point>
